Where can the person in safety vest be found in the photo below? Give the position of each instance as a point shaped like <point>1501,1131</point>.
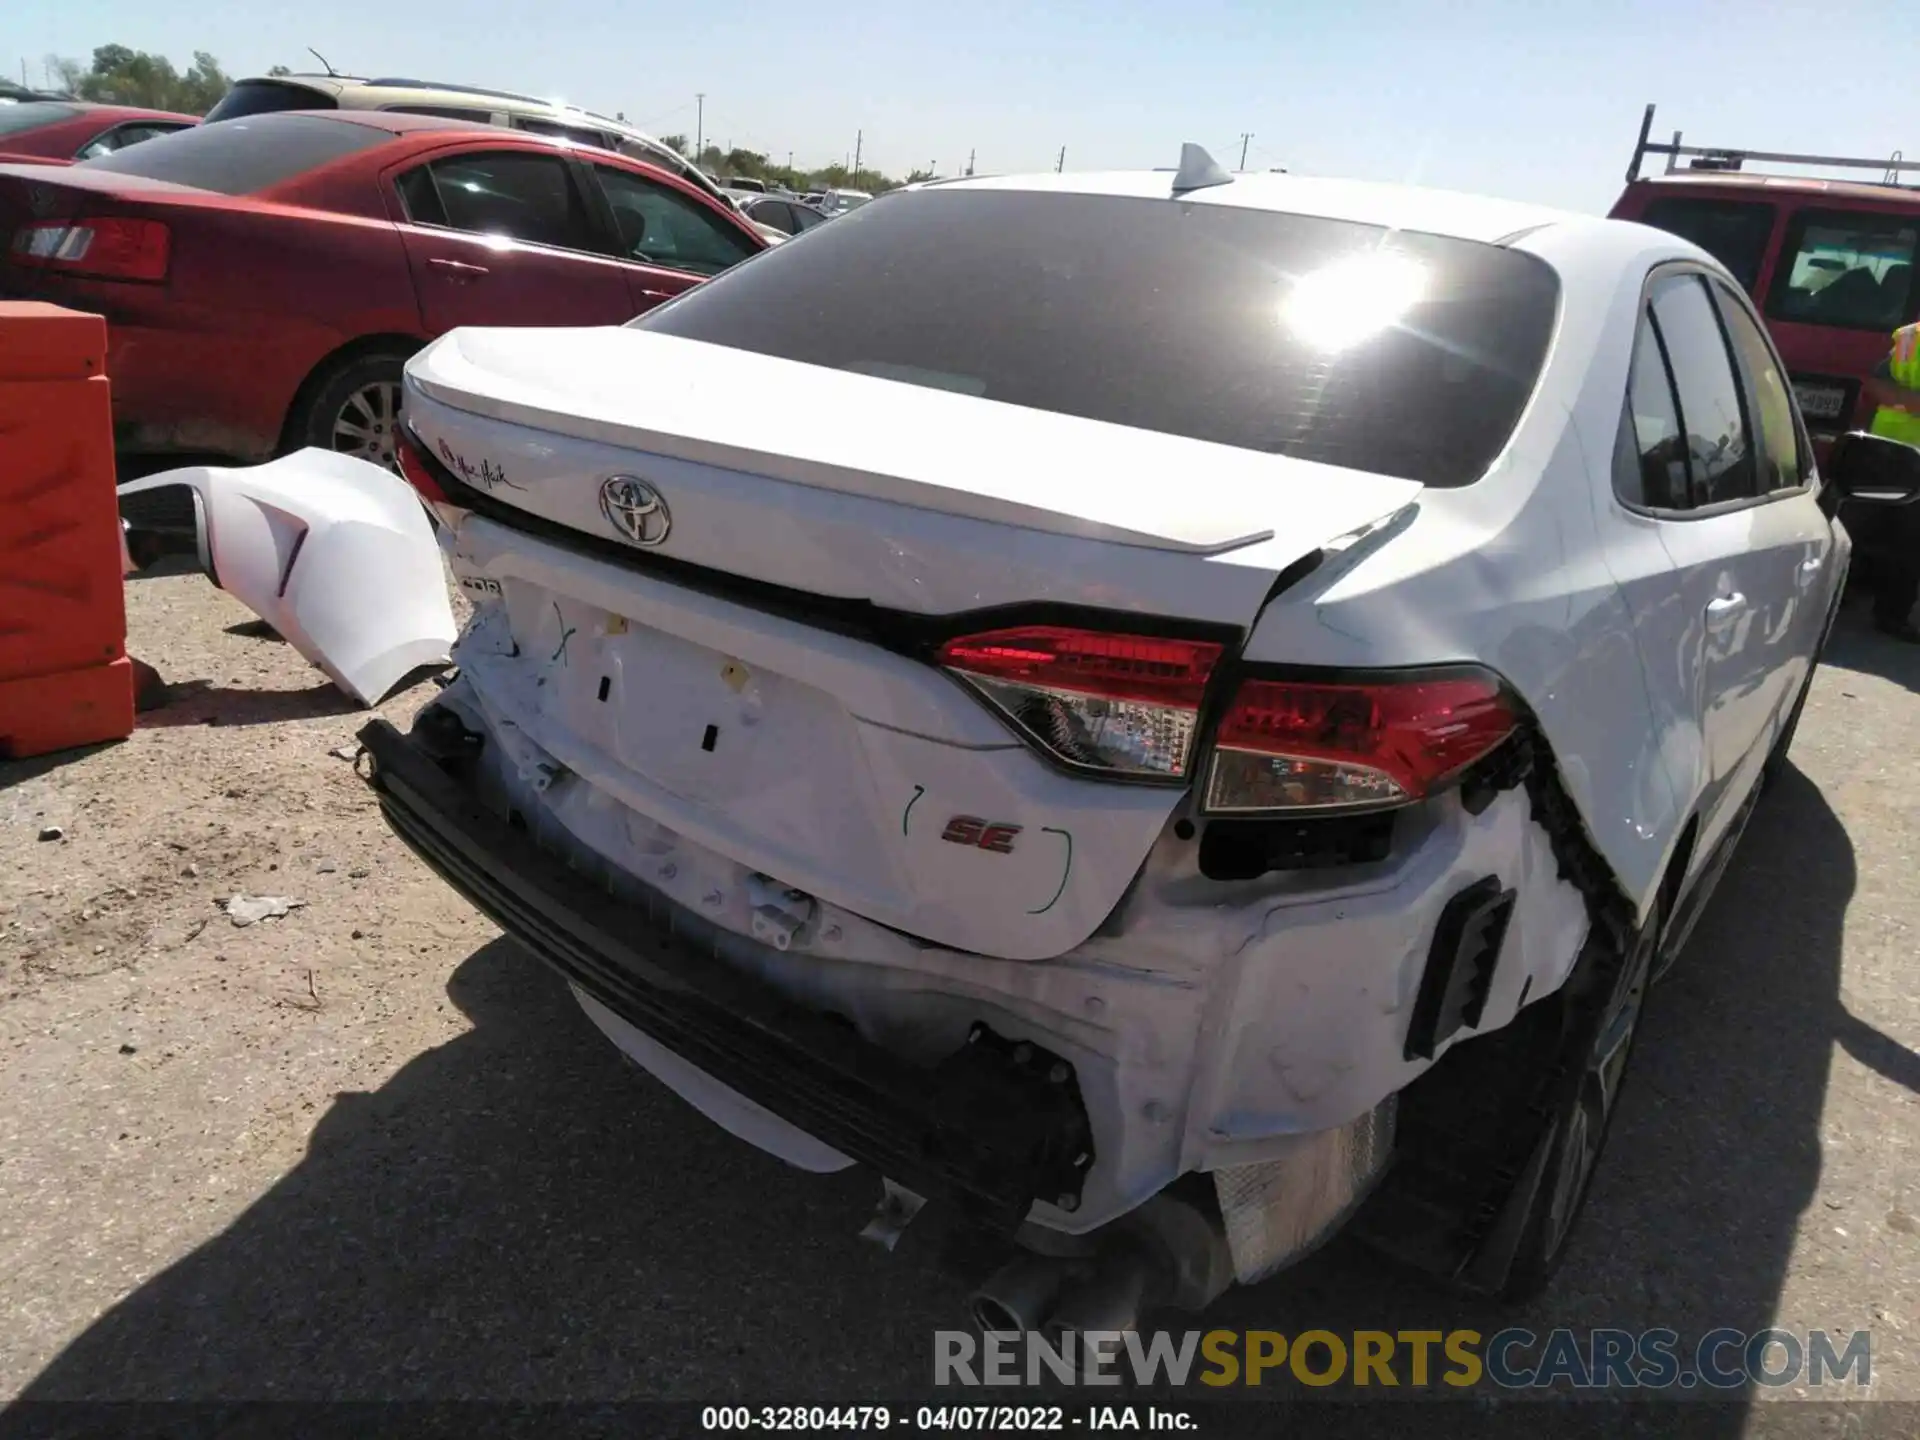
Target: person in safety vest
<point>1896,415</point>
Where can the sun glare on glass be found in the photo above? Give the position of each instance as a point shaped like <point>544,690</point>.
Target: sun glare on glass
<point>1350,300</point>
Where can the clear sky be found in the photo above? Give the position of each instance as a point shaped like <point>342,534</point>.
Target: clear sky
<point>1531,99</point>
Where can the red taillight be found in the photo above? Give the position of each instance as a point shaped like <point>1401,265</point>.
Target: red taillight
<point>1122,704</point>
<point>415,468</point>
<point>1309,745</point>
<point>104,247</point>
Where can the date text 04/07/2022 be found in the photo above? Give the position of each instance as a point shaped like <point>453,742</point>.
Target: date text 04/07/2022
<point>982,1419</point>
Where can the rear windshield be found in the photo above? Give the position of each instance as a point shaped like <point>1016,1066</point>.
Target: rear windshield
<point>1734,232</point>
<point>31,115</point>
<point>242,157</point>
<point>1853,269</point>
<point>1402,354</point>
<point>264,97</point>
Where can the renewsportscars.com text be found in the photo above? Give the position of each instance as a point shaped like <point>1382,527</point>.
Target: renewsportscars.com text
<point>1599,1359</point>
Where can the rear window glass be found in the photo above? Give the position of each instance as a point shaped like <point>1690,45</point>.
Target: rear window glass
<point>264,97</point>
<point>1853,269</point>
<point>241,157</point>
<point>1734,232</point>
<point>32,115</point>
<point>1403,354</point>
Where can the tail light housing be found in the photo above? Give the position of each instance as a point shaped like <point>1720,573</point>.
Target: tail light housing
<point>416,468</point>
<point>1123,706</point>
<point>1319,746</point>
<point>105,247</point>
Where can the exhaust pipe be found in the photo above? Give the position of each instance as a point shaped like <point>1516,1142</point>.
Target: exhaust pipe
<point>1036,1294</point>
<point>1112,1298</point>
<point>1018,1297</point>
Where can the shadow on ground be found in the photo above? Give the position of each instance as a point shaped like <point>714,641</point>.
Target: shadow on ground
<point>517,1214</point>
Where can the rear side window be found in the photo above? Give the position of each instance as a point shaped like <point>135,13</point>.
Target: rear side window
<point>266,97</point>
<point>503,192</point>
<point>1650,465</point>
<point>243,157</point>
<point>31,115</point>
<point>1853,269</point>
<point>442,112</point>
<point>1712,414</point>
<point>1734,232</point>
<point>1403,354</point>
<point>533,126</point>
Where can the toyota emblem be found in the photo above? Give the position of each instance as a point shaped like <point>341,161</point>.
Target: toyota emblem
<point>635,509</point>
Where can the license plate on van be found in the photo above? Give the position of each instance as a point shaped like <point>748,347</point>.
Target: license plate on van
<point>1821,402</point>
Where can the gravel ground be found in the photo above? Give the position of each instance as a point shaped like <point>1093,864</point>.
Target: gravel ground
<point>368,1149</point>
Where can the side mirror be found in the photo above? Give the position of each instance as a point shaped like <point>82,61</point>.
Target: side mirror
<point>1873,470</point>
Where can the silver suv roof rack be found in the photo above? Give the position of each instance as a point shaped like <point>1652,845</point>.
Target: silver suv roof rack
<point>1701,157</point>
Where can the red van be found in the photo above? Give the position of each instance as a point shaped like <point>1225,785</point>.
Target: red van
<point>1830,263</point>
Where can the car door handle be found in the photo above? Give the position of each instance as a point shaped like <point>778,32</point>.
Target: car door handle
<point>658,294</point>
<point>1724,607</point>
<point>458,269</point>
<point>1808,567</point>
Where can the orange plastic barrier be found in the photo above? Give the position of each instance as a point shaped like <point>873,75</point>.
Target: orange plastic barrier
<point>64,675</point>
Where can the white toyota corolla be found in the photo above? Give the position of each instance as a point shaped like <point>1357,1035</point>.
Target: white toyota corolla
<point>1164,711</point>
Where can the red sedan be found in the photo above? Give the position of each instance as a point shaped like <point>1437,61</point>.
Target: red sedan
<point>264,279</point>
<point>62,131</point>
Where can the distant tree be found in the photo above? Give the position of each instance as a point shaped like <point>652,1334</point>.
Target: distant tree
<point>675,142</point>
<point>122,76</point>
<point>278,70</point>
<point>915,176</point>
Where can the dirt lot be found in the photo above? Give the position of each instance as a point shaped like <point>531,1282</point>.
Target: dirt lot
<point>368,1149</point>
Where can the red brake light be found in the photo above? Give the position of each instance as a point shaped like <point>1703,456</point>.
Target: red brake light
<point>1124,704</point>
<point>1298,745</point>
<point>106,247</point>
<point>415,468</point>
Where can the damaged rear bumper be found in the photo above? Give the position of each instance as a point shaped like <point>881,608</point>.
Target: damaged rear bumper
<point>991,1128</point>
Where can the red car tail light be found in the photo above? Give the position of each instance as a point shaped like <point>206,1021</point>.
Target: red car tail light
<point>415,468</point>
<point>1309,745</point>
<point>104,247</point>
<point>1126,705</point>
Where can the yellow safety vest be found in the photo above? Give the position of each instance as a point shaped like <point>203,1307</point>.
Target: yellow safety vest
<point>1896,422</point>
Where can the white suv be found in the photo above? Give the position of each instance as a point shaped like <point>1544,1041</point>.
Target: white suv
<point>1237,723</point>
<point>265,93</point>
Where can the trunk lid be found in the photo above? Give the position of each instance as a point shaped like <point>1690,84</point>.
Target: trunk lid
<point>743,732</point>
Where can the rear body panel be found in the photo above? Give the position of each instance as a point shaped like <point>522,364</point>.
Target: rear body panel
<point>256,296</point>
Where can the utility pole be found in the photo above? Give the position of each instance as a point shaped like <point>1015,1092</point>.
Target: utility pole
<point>699,126</point>
<point>1243,148</point>
<point>970,155</point>
<point>1061,163</point>
<point>858,136</point>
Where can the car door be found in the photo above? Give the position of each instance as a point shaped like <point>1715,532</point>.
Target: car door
<point>1707,592</point>
<point>506,237</point>
<point>669,240</point>
<point>1792,536</point>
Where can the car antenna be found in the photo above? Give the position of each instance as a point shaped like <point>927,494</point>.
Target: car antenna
<point>1198,170</point>
<point>331,72</point>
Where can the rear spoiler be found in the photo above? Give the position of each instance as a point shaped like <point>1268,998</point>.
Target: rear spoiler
<point>1702,157</point>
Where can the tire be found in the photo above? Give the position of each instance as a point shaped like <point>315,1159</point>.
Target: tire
<point>352,406</point>
<point>1579,1121</point>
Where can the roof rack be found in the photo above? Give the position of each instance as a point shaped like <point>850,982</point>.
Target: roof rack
<point>391,82</point>
<point>1702,157</point>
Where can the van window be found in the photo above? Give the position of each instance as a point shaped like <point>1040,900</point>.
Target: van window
<point>265,97</point>
<point>1853,269</point>
<point>1734,232</point>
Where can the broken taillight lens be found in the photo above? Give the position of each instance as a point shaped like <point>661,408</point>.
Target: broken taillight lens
<point>104,247</point>
<point>1124,705</point>
<point>415,468</point>
<point>1312,745</point>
